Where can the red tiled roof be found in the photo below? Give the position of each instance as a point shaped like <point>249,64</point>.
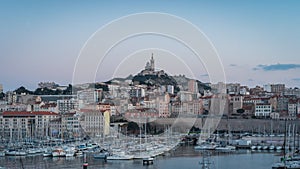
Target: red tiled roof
<point>48,105</point>
<point>29,113</point>
<point>91,110</point>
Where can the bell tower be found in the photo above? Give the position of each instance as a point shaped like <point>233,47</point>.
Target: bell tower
<point>152,63</point>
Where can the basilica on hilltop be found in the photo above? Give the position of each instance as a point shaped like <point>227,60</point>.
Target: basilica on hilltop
<point>150,69</point>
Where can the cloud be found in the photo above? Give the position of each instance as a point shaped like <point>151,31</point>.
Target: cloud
<point>276,67</point>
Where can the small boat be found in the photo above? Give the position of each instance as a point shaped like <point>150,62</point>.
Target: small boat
<point>16,153</point>
<point>272,147</point>
<point>226,148</point>
<point>58,152</point>
<point>278,147</point>
<point>70,151</point>
<point>47,152</point>
<point>33,151</point>
<point>253,147</point>
<point>120,156</point>
<point>259,147</point>
<point>79,154</point>
<point>102,155</point>
<point>205,147</point>
<point>265,147</point>
<point>2,153</point>
<point>287,165</point>
<point>82,147</point>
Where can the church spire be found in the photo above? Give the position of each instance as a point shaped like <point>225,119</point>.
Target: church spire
<point>152,63</point>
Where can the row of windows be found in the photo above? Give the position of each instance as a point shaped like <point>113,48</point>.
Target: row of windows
<point>263,110</point>
<point>263,106</point>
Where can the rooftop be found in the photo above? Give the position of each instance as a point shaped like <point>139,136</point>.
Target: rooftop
<point>29,113</point>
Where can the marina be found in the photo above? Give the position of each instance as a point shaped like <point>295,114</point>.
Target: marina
<point>182,157</point>
<point>282,150</point>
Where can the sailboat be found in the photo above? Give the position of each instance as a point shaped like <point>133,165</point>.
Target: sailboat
<point>286,163</point>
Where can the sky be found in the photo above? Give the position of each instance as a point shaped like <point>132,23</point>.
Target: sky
<point>257,40</point>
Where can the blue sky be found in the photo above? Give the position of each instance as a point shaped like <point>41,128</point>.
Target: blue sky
<point>257,41</point>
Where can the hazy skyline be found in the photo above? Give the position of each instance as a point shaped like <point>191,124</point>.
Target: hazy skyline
<point>257,41</point>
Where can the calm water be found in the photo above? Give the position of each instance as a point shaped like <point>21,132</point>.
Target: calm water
<point>182,158</point>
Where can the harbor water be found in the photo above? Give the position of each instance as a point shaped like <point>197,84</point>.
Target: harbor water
<point>184,157</point>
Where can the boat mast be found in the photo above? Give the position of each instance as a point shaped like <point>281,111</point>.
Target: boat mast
<point>284,144</point>
<point>294,138</point>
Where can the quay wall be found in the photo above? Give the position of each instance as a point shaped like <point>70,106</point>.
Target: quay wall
<point>245,125</point>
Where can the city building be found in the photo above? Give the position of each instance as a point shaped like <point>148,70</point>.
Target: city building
<point>137,92</point>
<point>292,92</point>
<point>277,88</point>
<point>233,88</point>
<point>67,105</point>
<point>11,97</point>
<point>103,107</point>
<point>187,108</point>
<point>185,96</point>
<point>249,109</point>
<point>170,89</point>
<point>282,104</point>
<point>267,87</point>
<point>293,107</point>
<point>236,102</point>
<point>21,125</point>
<point>244,90</point>
<point>263,110</point>
<point>93,122</point>
<point>257,91</point>
<point>141,115</point>
<point>193,86</point>
<point>89,96</point>
<point>15,107</point>
<point>67,126</point>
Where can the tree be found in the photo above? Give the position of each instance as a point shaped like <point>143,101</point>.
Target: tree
<point>68,91</point>
<point>240,111</point>
<point>2,95</point>
<point>22,89</point>
<point>133,127</point>
<point>101,86</point>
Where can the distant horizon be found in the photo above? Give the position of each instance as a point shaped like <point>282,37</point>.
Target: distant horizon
<point>66,84</point>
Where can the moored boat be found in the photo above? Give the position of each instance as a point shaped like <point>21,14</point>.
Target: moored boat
<point>16,153</point>
<point>205,147</point>
<point>102,155</point>
<point>287,165</point>
<point>79,154</point>
<point>226,148</point>
<point>58,152</point>
<point>120,156</point>
<point>70,151</point>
